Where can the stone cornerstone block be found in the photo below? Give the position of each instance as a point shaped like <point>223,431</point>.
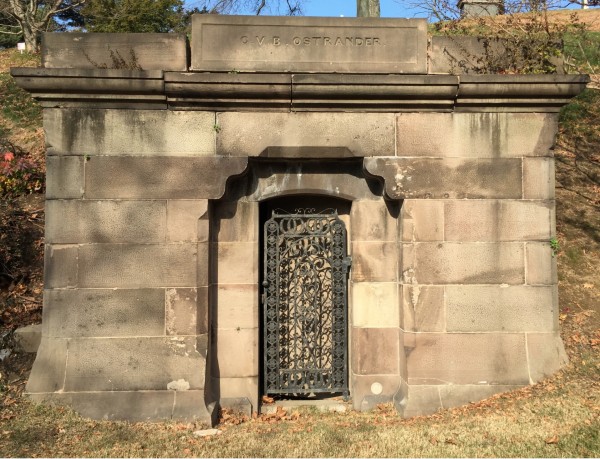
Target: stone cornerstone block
<point>61,264</point>
<point>308,44</point>
<point>129,132</point>
<point>48,373</point>
<point>64,177</point>
<point>546,354</point>
<point>150,51</point>
<point>28,338</point>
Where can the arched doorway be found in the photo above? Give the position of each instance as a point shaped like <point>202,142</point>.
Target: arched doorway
<point>304,296</point>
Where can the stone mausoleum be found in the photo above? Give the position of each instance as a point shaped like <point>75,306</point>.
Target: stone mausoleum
<point>304,208</point>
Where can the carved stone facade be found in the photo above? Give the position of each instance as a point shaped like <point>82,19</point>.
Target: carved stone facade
<point>159,182</point>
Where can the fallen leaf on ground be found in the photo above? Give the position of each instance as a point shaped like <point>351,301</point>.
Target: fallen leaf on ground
<point>552,440</point>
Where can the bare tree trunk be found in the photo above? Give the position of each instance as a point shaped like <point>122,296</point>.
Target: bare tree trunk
<point>30,38</point>
<point>367,8</point>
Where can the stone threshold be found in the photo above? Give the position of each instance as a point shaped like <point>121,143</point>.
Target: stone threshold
<point>332,404</point>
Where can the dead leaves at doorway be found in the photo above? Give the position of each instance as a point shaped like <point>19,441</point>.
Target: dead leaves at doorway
<point>229,417</point>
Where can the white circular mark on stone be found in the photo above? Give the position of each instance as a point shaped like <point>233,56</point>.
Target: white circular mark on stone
<point>376,388</point>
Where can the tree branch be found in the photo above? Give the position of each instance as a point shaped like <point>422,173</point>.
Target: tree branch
<point>260,7</point>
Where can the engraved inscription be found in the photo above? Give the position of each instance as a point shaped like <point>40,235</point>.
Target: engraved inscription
<point>277,44</point>
<point>312,41</point>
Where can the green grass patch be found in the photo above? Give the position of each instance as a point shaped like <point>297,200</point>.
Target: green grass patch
<point>582,50</point>
<point>17,105</point>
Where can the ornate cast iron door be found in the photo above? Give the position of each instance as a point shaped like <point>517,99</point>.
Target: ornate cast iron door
<point>305,303</point>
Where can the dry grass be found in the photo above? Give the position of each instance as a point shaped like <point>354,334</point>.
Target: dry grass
<point>557,418</point>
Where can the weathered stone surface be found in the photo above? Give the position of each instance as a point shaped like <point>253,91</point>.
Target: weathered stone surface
<point>345,186</point>
<point>237,353</point>
<point>373,93</point>
<point>465,263</point>
<point>422,400</point>
<point>427,399</point>
<point>181,311</point>
<point>423,308</point>
<point>130,132</point>
<point>374,261</point>
<point>546,354</point>
<point>497,220</point>
<point>369,390</point>
<point>530,93</point>
<point>127,177</point>
<point>137,265</point>
<point>476,135</point>
<point>298,44</point>
<point>373,220</point>
<point>453,395</point>
<point>540,264</point>
<point>235,388</point>
<point>494,308</point>
<point>268,179</point>
<point>182,220</point>
<point>202,311</point>
<point>375,305</point>
<point>98,88</point>
<point>228,91</point>
<point>28,338</point>
<point>237,306</point>
<point>237,263</point>
<point>75,221</point>
<point>235,222</point>
<point>64,177</point>
<point>455,178</point>
<point>48,372</point>
<point>470,358</point>
<point>74,313</point>
<point>61,266</point>
<point>242,134</point>
<point>120,364</point>
<point>149,51</point>
<point>191,405</point>
<point>422,220</point>
<point>538,178</point>
<point>375,351</point>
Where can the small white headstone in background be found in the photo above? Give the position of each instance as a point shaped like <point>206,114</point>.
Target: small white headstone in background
<point>21,46</point>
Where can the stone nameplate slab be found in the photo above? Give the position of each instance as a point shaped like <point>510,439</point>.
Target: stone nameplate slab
<point>308,44</point>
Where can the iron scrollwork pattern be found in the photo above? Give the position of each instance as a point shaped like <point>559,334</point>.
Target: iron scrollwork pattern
<point>305,303</point>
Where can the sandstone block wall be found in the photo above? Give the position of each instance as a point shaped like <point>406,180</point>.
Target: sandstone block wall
<point>157,187</point>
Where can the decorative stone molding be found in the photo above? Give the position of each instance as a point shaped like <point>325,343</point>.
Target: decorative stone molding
<point>290,92</point>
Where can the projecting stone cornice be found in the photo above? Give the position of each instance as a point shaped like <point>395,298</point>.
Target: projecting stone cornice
<point>155,89</point>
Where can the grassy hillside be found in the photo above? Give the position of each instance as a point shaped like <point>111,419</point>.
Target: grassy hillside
<point>556,418</point>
